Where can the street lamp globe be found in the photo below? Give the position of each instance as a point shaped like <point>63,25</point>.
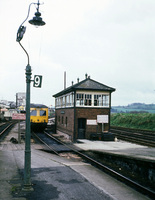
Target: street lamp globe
<point>37,20</point>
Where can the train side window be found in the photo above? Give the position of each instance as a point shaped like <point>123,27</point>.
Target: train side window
<point>33,113</point>
<point>42,113</point>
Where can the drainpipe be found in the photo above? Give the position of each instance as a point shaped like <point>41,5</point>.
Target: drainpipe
<point>109,110</point>
<point>74,134</point>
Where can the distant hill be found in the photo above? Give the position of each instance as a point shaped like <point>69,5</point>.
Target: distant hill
<point>134,108</point>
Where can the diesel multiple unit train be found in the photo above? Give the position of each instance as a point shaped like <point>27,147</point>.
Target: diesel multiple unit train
<point>38,117</point>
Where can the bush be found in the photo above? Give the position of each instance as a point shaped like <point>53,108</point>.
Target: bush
<point>139,120</point>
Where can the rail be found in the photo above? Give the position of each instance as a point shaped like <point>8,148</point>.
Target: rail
<point>138,136</point>
<point>42,141</point>
<point>4,127</point>
<point>104,168</point>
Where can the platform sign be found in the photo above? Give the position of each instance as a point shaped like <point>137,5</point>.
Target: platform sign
<point>37,81</point>
<point>19,116</point>
<point>102,119</point>
<point>91,122</point>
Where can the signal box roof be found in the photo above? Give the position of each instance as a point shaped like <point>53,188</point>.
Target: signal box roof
<point>86,84</point>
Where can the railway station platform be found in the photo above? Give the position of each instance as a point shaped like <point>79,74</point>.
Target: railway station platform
<point>118,147</point>
<point>55,177</point>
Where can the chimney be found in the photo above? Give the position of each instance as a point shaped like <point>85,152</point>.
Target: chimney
<point>78,80</point>
<point>72,82</point>
<point>86,75</point>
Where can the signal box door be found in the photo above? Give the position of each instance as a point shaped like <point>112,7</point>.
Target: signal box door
<point>81,128</point>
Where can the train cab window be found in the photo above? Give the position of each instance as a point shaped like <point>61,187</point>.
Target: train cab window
<point>33,113</point>
<point>42,113</point>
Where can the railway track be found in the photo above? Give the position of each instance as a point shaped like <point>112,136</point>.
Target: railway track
<point>4,129</point>
<point>57,147</point>
<point>51,143</point>
<point>138,136</point>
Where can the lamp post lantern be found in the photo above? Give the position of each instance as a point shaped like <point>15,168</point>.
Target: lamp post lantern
<point>37,21</point>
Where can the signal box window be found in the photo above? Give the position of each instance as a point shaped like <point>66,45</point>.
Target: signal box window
<point>101,100</point>
<point>80,99</point>
<point>88,99</point>
<point>106,100</point>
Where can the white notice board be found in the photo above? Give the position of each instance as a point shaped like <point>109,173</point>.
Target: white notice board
<point>102,119</point>
<point>91,122</point>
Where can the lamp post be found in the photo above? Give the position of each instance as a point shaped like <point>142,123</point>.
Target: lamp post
<point>37,21</point>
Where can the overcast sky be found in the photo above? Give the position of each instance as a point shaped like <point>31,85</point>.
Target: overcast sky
<point>113,41</point>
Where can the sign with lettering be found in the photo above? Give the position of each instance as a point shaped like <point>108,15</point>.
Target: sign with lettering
<point>102,119</point>
<point>19,116</point>
<point>37,81</point>
<point>91,122</point>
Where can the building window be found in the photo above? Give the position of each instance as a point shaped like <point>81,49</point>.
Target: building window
<point>66,121</point>
<point>101,100</point>
<point>62,120</point>
<point>79,99</point>
<point>83,99</point>
<point>106,100</point>
<point>61,101</point>
<point>72,99</point>
<point>97,100</point>
<point>88,100</point>
<point>68,101</point>
<point>64,101</point>
<point>58,103</point>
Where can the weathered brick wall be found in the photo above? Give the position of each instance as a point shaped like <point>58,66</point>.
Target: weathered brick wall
<point>87,113</point>
<point>91,113</point>
<point>68,127</point>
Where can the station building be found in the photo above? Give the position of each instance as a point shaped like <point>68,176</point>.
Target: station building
<point>83,109</point>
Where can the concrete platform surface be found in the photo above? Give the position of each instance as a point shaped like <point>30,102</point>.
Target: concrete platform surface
<point>119,147</point>
<point>56,178</point>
